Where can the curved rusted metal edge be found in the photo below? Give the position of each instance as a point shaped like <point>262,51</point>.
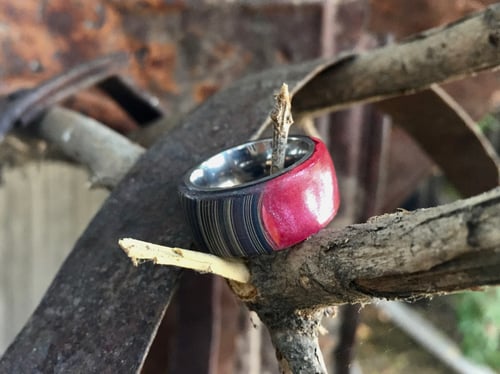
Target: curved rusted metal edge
<point>449,137</point>
<point>24,106</point>
<point>101,313</point>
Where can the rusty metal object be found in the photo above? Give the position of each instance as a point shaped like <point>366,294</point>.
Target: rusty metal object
<point>387,14</point>
<point>141,107</point>
<point>24,106</point>
<point>182,51</point>
<point>96,104</point>
<point>100,313</point>
<point>444,130</point>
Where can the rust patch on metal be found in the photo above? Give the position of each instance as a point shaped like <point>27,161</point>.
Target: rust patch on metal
<point>155,65</point>
<point>204,90</point>
<point>95,104</point>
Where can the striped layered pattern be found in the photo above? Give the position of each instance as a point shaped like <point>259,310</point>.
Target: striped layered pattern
<point>228,226</point>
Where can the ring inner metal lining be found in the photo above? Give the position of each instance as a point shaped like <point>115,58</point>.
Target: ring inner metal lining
<point>246,164</point>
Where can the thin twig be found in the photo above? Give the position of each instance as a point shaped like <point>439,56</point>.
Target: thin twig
<point>291,330</point>
<point>282,120</point>
<point>202,262</point>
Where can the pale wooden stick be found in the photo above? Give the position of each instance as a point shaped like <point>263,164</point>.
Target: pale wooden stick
<point>282,120</point>
<point>202,262</point>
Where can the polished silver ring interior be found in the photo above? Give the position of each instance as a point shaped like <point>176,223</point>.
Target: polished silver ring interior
<point>246,164</point>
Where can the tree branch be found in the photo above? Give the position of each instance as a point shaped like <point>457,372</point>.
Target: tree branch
<point>446,53</point>
<point>282,120</point>
<point>396,256</point>
<point>295,337</point>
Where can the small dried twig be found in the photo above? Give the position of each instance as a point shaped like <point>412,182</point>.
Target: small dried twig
<point>202,262</point>
<point>292,331</point>
<point>282,120</point>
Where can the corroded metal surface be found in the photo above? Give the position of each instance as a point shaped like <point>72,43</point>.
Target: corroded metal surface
<point>100,313</point>
<point>22,107</point>
<point>182,52</point>
<point>448,134</point>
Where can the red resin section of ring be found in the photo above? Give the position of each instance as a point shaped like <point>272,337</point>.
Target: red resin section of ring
<point>302,201</point>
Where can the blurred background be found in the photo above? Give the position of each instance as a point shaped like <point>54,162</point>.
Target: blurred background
<point>182,53</point>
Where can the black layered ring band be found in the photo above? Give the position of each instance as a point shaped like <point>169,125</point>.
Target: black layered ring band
<point>235,208</point>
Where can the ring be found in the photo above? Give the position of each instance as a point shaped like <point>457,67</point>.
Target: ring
<point>236,209</point>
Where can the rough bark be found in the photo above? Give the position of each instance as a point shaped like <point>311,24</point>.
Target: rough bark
<point>295,336</point>
<point>405,255</point>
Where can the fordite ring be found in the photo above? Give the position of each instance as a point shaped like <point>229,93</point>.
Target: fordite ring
<point>236,209</point>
